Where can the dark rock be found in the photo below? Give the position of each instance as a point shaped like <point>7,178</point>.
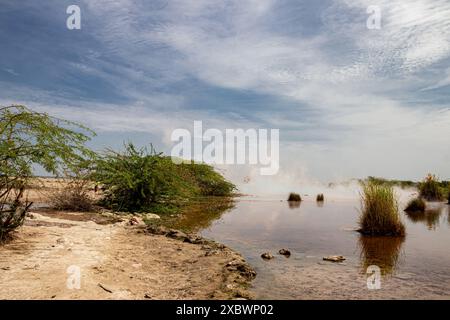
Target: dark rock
<point>285,252</point>
<point>267,256</point>
<point>133,221</point>
<point>242,267</point>
<point>176,234</point>
<point>159,230</point>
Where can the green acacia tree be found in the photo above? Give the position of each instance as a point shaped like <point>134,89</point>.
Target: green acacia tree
<point>29,138</point>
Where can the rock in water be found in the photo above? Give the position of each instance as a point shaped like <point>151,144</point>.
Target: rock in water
<point>334,258</point>
<point>285,252</point>
<point>267,256</point>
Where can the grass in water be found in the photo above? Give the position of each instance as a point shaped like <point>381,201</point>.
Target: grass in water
<point>294,197</point>
<point>431,189</point>
<point>379,211</point>
<point>416,205</point>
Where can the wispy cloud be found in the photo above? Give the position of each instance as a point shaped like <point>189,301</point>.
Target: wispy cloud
<point>349,101</point>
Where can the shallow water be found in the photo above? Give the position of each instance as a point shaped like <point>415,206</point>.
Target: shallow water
<point>416,267</point>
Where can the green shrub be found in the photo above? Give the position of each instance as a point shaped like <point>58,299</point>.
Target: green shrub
<point>142,180</point>
<point>379,211</point>
<point>294,197</point>
<point>320,197</point>
<point>416,205</point>
<point>430,189</point>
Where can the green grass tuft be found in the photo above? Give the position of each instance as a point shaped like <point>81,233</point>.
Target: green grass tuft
<point>379,211</point>
<point>431,189</point>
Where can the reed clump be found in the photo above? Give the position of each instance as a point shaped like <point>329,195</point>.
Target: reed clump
<point>416,205</point>
<point>430,189</point>
<point>379,211</point>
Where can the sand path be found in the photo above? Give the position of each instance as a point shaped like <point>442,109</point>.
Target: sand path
<point>113,261</point>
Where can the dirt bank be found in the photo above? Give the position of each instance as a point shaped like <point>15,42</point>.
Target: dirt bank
<point>116,261</point>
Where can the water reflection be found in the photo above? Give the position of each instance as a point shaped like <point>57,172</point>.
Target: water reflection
<point>448,214</point>
<point>201,214</point>
<point>383,252</point>
<point>294,204</point>
<point>430,217</point>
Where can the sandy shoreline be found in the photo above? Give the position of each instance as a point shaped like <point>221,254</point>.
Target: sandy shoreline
<point>116,260</point>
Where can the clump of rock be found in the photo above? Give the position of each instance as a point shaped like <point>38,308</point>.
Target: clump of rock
<point>285,252</point>
<point>267,256</point>
<point>334,258</point>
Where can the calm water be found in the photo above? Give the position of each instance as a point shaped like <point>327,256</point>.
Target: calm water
<point>416,267</point>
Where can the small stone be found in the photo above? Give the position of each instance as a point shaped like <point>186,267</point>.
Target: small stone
<point>285,252</point>
<point>133,221</point>
<point>30,215</point>
<point>159,230</point>
<point>334,258</point>
<point>150,216</point>
<point>267,256</point>
<point>176,234</point>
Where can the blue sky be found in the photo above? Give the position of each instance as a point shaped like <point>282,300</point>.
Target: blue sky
<point>349,101</point>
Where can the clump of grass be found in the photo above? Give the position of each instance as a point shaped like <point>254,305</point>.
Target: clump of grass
<point>72,194</point>
<point>379,213</point>
<point>294,197</point>
<point>416,205</point>
<point>320,197</point>
<point>430,189</point>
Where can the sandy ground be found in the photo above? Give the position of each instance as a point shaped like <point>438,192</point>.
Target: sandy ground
<point>114,261</point>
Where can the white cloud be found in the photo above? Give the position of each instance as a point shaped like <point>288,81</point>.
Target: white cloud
<point>354,79</point>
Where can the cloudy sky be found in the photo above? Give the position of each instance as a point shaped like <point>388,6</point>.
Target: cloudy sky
<point>349,101</point>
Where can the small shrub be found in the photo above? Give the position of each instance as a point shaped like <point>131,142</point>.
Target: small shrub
<point>379,211</point>
<point>72,195</point>
<point>430,189</point>
<point>416,205</point>
<point>320,197</point>
<point>294,197</point>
